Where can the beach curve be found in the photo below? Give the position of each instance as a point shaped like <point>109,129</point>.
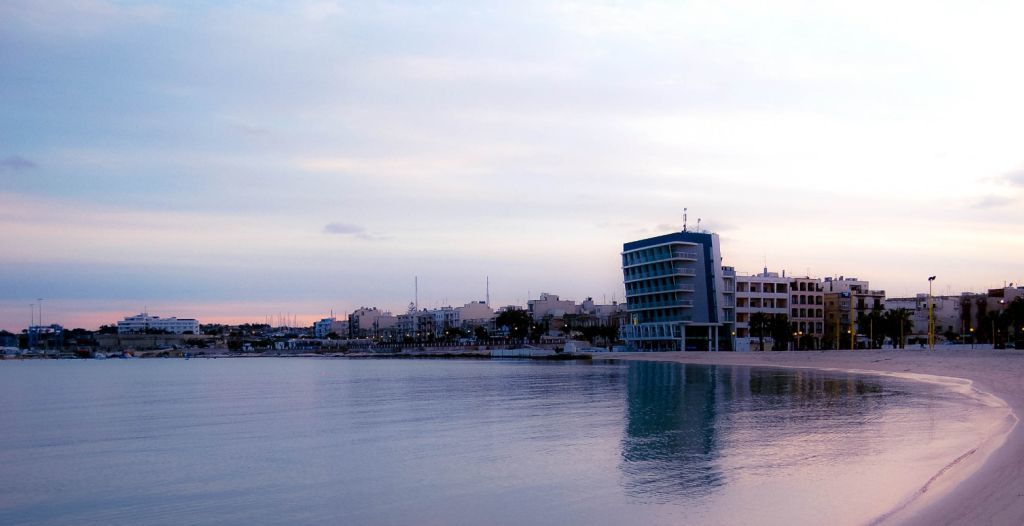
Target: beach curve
<point>983,485</point>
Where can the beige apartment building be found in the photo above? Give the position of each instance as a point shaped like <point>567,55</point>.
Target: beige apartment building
<point>767,292</point>
<point>807,312</point>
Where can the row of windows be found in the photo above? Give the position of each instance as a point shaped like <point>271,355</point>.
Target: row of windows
<point>806,300</point>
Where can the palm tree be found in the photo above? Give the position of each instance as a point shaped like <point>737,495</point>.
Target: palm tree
<point>781,331</point>
<point>896,325</point>
<point>760,323</point>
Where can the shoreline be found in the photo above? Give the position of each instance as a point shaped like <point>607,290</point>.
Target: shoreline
<point>984,485</point>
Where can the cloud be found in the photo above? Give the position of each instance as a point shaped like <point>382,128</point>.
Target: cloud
<point>347,229</point>
<point>1015,177</point>
<point>993,201</point>
<point>16,163</point>
<point>249,129</point>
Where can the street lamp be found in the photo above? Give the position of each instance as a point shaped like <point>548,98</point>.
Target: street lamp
<point>972,337</point>
<point>931,316</point>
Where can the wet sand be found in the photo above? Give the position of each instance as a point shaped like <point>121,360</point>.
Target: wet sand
<point>983,486</point>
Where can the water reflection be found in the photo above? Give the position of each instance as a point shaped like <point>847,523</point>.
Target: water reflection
<point>681,420</point>
<point>669,445</point>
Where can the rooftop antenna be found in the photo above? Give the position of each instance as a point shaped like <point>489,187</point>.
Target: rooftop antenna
<point>684,219</point>
<point>488,291</point>
<point>698,224</point>
<point>416,298</point>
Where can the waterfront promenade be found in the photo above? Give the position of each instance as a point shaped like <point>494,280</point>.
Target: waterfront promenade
<point>983,486</point>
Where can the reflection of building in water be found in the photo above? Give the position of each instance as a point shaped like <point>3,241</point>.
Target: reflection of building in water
<point>670,442</point>
<point>688,427</point>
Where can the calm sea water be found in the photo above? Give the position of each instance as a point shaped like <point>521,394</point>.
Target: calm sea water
<point>285,441</point>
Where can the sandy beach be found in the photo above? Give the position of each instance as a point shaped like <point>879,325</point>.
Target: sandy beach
<point>983,486</point>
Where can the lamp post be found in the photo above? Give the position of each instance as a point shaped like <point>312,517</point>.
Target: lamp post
<point>972,337</point>
<point>931,316</point>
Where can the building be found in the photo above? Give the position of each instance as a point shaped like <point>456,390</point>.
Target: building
<point>949,323</point>
<point>550,305</point>
<point>326,326</point>
<point>445,318</point>
<point>846,301</point>
<point>766,293</point>
<point>978,312</point>
<point>475,314</point>
<point>370,323</point>
<point>807,312</point>
<point>141,323</point>
<point>676,296</point>
<point>45,337</point>
<point>414,325</point>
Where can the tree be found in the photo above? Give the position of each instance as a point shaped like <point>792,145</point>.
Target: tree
<point>780,331</point>
<point>897,325</point>
<point>516,321</point>
<point>872,325</point>
<point>760,324</point>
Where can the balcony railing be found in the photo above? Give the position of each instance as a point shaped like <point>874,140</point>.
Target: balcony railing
<point>655,290</point>
<point>675,255</point>
<point>661,305</point>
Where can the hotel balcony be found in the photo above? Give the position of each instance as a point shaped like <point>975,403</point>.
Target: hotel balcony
<point>679,287</point>
<point>674,256</point>
<point>686,304</point>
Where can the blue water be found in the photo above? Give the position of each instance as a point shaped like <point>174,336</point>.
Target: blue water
<point>285,441</point>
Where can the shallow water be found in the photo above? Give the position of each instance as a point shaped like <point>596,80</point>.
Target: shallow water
<point>245,441</point>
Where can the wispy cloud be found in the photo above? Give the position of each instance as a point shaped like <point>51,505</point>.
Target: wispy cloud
<point>1015,178</point>
<point>348,229</point>
<point>16,163</point>
<point>992,201</point>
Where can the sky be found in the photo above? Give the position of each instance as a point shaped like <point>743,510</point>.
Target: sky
<point>239,161</point>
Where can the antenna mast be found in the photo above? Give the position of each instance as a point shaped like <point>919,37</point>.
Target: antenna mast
<point>416,297</point>
<point>684,219</point>
<point>488,291</point>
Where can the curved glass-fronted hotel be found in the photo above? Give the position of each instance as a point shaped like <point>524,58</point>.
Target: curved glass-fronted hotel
<point>678,296</point>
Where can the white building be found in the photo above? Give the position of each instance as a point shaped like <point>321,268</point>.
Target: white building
<point>768,293</point>
<point>141,322</point>
<point>475,313</point>
<point>328,325</point>
<point>946,313</point>
<point>550,304</point>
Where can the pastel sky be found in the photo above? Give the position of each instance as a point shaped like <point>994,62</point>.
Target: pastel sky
<point>233,161</point>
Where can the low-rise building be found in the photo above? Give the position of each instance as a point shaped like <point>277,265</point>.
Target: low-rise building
<point>946,313</point>
<point>370,323</point>
<point>550,305</point>
<point>141,323</point>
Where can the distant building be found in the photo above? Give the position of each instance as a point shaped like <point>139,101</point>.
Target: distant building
<point>414,325</point>
<point>140,323</point>
<point>550,305</point>
<point>45,336</point>
<point>370,323</point>
<point>326,326</point>
<point>676,296</point>
<point>475,314</point>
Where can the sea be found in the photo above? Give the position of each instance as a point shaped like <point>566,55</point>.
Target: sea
<point>474,442</point>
